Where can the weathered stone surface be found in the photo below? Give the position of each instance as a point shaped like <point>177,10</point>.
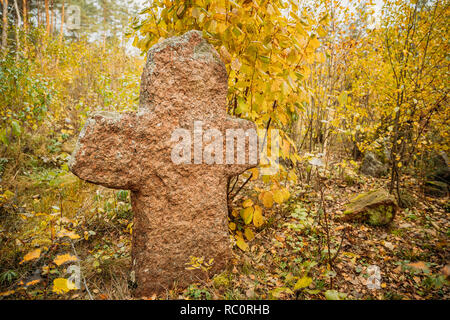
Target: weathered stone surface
<point>437,172</point>
<point>376,207</point>
<point>372,166</point>
<point>180,210</point>
<point>437,167</point>
<point>436,189</point>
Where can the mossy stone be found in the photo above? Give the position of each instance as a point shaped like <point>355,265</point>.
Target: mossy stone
<point>376,207</point>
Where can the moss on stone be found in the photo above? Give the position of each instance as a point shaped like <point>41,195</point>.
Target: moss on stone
<point>376,207</point>
<point>380,215</point>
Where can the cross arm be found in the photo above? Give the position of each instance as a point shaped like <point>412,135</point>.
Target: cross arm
<point>106,151</point>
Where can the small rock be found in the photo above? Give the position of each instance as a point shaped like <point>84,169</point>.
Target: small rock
<point>436,189</point>
<point>372,166</point>
<point>376,207</point>
<point>389,245</point>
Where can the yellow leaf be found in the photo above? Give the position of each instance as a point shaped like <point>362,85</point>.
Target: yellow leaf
<point>277,292</point>
<point>257,217</point>
<point>61,286</point>
<point>241,243</point>
<point>63,258</point>
<point>249,234</point>
<point>303,283</point>
<point>267,199</point>
<point>66,233</point>
<point>278,196</point>
<point>247,203</point>
<point>7,293</point>
<point>281,195</point>
<point>314,43</point>
<point>180,10</point>
<point>32,282</point>
<point>292,176</point>
<point>255,173</point>
<point>8,194</point>
<point>31,255</point>
<point>225,54</point>
<point>232,226</point>
<point>247,215</point>
<point>286,194</point>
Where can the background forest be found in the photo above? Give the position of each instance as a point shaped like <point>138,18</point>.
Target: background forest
<point>357,89</point>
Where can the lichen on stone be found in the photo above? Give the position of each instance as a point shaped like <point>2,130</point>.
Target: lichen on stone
<point>202,51</point>
<point>205,51</point>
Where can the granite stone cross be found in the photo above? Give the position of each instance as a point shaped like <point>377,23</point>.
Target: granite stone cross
<point>180,210</point>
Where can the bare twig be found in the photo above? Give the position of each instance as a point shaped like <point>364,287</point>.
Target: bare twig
<point>243,185</point>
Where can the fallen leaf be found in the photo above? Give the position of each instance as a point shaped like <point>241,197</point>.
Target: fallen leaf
<point>63,258</point>
<point>31,255</point>
<point>303,283</point>
<point>267,199</point>
<point>334,295</point>
<point>249,234</point>
<point>241,243</point>
<point>66,233</point>
<point>420,265</point>
<point>247,203</point>
<point>247,215</point>
<point>258,219</point>
<point>61,286</point>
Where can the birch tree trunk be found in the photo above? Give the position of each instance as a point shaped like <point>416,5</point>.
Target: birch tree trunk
<point>19,22</point>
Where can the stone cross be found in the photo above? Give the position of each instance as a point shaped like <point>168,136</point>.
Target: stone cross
<point>180,210</point>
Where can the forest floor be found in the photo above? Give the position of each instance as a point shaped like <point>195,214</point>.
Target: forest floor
<point>51,211</point>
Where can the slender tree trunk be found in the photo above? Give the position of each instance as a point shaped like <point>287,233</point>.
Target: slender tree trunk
<point>25,14</point>
<point>47,17</point>
<point>5,27</point>
<point>61,32</point>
